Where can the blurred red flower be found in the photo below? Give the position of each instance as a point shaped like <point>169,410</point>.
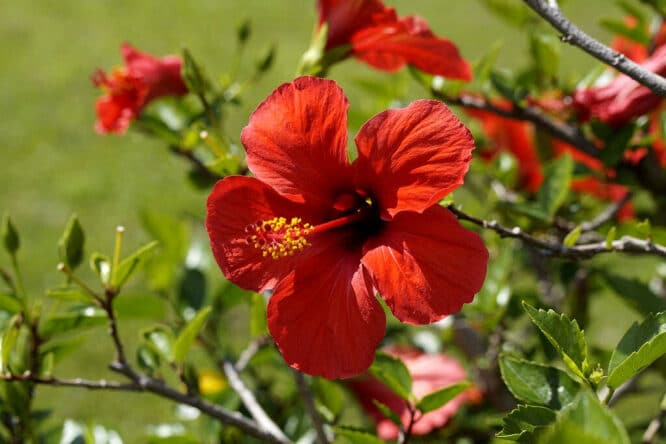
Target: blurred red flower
<point>324,233</point>
<point>131,87</point>
<point>623,98</point>
<point>429,372</point>
<point>376,35</point>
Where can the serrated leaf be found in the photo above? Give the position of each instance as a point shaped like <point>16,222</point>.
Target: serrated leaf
<point>639,347</point>
<point>10,237</point>
<point>585,421</point>
<point>387,412</point>
<point>536,383</point>
<point>565,335</point>
<point>188,334</point>
<point>73,321</point>
<point>392,373</point>
<point>70,294</point>
<point>435,400</point>
<point>555,187</point>
<point>258,325</point>
<point>70,245</point>
<point>572,237</point>
<point>131,264</point>
<point>8,341</point>
<point>521,423</point>
<point>356,436</point>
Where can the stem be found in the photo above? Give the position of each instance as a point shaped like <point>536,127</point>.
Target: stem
<point>71,276</point>
<point>23,296</point>
<point>310,408</point>
<point>550,11</point>
<point>116,253</point>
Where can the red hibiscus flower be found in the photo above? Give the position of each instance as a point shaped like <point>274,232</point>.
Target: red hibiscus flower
<point>516,137</point>
<point>128,89</point>
<point>623,98</point>
<point>325,233</point>
<point>375,35</point>
<point>429,373</point>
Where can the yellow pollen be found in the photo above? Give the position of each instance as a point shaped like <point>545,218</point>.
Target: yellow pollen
<point>278,237</point>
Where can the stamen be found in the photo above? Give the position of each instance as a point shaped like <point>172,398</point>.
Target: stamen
<point>278,237</point>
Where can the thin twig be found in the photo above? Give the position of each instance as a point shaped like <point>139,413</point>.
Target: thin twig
<point>606,215</point>
<point>251,350</point>
<point>249,401</point>
<point>626,244</point>
<point>101,384</point>
<point>656,424</point>
<point>575,36</point>
<point>310,408</point>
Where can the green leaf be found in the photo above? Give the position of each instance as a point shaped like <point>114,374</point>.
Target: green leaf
<point>513,13</point>
<point>565,335</point>
<point>70,294</point>
<point>634,293</point>
<point>618,26</point>
<point>356,436</point>
<point>244,30</point>
<point>435,400</point>
<point>507,86</point>
<point>573,236</point>
<point>189,333</point>
<point>585,421</point>
<point>70,245</point>
<point>174,238</point>
<point>160,339</point>
<point>258,325</point>
<point>639,347</point>
<point>192,290</point>
<point>61,348</point>
<point>9,338</point>
<point>9,303</point>
<point>10,237</point>
<point>130,265</point>
<point>555,187</point>
<point>616,144</point>
<point>193,75</point>
<point>266,60</point>
<point>484,66</point>
<point>101,265</point>
<point>148,358</point>
<point>71,322</point>
<point>546,49</point>
<point>387,412</point>
<point>536,383</point>
<point>526,420</point>
<point>393,373</point>
<point>610,237</point>
<point>329,394</point>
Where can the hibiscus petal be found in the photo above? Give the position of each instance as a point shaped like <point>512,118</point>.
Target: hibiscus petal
<point>408,159</point>
<point>324,316</point>
<point>344,17</point>
<point>390,46</point>
<point>296,140</point>
<point>234,204</point>
<point>427,265</point>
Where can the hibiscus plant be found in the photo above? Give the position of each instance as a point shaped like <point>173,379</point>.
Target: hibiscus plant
<point>483,262</point>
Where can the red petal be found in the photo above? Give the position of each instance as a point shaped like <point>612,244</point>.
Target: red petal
<point>390,46</point>
<point>235,203</point>
<point>296,140</point>
<point>344,17</point>
<point>324,317</point>
<point>408,159</point>
<point>162,76</point>
<point>427,265</point>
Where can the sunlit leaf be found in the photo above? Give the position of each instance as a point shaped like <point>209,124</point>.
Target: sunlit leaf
<point>189,333</point>
<point>393,373</point>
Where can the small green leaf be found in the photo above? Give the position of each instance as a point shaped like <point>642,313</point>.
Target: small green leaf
<point>610,237</point>
<point>639,347</point>
<point>393,373</point>
<point>87,317</point>
<point>435,400</point>
<point>130,265</point>
<point>266,60</point>
<point>160,340</point>
<point>616,144</point>
<point>10,237</point>
<point>523,422</point>
<point>507,86</point>
<point>356,436</point>
<point>9,303</point>
<point>70,294</point>
<point>193,75</point>
<point>8,340</point>
<point>70,245</point>
<point>244,30</point>
<point>545,49</point>
<point>387,412</point>
<point>573,236</point>
<point>555,187</point>
<point>565,335</point>
<point>329,394</point>
<point>586,421</point>
<point>148,358</point>
<point>192,290</point>
<point>536,383</point>
<point>484,66</point>
<point>513,13</point>
<point>101,265</point>
<point>189,333</point>
<point>258,325</point>
<point>619,27</point>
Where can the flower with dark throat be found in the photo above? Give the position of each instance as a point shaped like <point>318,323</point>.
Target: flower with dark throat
<point>130,88</point>
<point>325,234</point>
<point>374,34</point>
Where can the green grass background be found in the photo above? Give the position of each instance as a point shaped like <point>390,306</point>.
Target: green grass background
<point>54,164</point>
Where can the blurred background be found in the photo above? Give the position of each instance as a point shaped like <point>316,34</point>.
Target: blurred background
<point>54,164</point>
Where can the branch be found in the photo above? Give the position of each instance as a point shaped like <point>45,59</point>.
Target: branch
<point>561,130</point>
<point>309,404</point>
<point>251,350</point>
<point>626,244</point>
<point>575,36</point>
<point>102,384</point>
<point>606,215</point>
<point>249,401</point>
<point>657,422</point>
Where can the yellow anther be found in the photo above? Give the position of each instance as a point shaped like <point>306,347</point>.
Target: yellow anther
<point>279,236</point>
